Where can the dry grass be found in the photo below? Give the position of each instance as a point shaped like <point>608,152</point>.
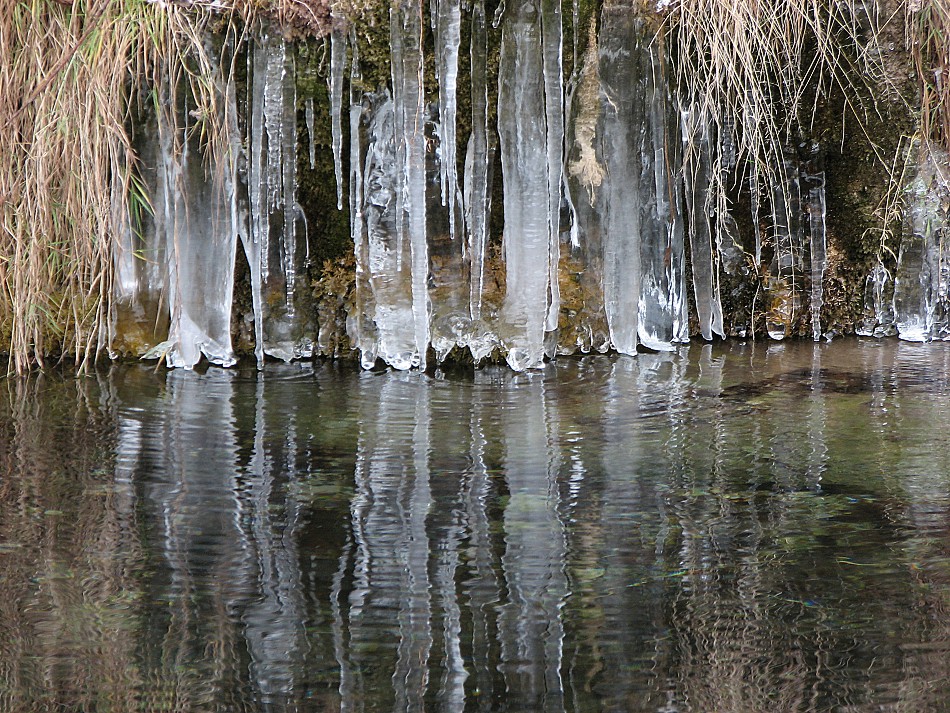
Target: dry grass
<point>928,24</point>
<point>70,72</point>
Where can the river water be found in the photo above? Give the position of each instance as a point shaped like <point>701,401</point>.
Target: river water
<point>741,527</point>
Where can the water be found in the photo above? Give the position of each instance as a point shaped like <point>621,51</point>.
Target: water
<point>730,527</point>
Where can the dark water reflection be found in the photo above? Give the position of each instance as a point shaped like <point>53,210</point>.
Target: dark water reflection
<point>739,528</point>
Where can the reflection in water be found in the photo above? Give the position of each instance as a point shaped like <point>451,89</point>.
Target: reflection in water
<point>736,528</point>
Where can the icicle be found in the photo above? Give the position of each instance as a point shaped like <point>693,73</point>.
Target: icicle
<point>552,56</point>
<point>921,283</point>
<point>408,98</point>
<point>476,161</point>
<point>194,213</point>
<point>337,62</point>
<point>878,318</point>
<point>378,255</point>
<point>360,325</point>
<point>448,37</point>
<point>308,112</point>
<point>697,171</point>
<point>282,318</point>
<point>527,249</point>
<point>782,287</point>
<point>818,251</point>
<point>288,157</point>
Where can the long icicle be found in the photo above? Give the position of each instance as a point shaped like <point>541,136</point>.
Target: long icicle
<point>409,98</point>
<point>476,164</point>
<point>337,62</point>
<point>552,57</point>
<point>447,42</point>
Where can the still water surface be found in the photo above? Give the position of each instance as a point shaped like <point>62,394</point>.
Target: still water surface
<point>746,527</point>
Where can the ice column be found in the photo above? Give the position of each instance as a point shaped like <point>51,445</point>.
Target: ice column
<point>818,253</point>
<point>921,284</point>
<point>195,225</point>
<point>382,261</point>
<point>786,268</point>
<point>277,260</point>
<point>337,60</point>
<point>662,318</point>
<point>526,167</point>
<point>878,320</point>
<point>448,38</point>
<point>409,123</point>
<point>476,184</point>
<point>697,171</point>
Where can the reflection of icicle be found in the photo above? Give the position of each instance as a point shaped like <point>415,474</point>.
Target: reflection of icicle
<point>530,626</point>
<point>273,621</point>
<point>337,60</point>
<point>697,172</point>
<point>525,165</point>
<point>448,37</point>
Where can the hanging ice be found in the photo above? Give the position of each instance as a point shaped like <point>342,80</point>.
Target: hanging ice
<point>923,273</point>
<point>448,37</point>
<point>526,169</point>
<point>195,231</point>
<point>783,283</point>
<point>625,161</point>
<point>878,319</point>
<point>477,193</point>
<point>818,253</point>
<point>587,329</point>
<point>552,57</point>
<point>337,60</point>
<point>410,186</point>
<point>697,172</point>
<point>383,269</point>
<point>276,259</point>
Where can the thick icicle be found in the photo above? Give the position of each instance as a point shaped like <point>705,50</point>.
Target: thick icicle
<point>477,193</point>
<point>194,220</point>
<point>448,280</point>
<point>552,56</point>
<point>923,271</point>
<point>527,250</point>
<point>697,172</point>
<point>282,323</point>
<point>448,38</point>
<point>360,326</point>
<point>586,175</point>
<point>386,273</point>
<point>408,99</point>
<point>337,62</point>
<point>878,319</point>
<point>783,288</point>
<point>662,319</point>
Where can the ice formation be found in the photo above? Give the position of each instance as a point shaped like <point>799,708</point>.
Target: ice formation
<point>606,183</point>
<point>922,282</point>
<point>179,269</point>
